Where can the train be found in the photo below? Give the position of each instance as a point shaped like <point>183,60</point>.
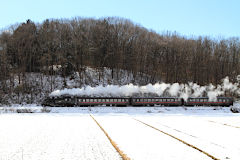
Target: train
<point>80,101</point>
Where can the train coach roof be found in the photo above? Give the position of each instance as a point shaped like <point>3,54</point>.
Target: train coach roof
<point>208,97</point>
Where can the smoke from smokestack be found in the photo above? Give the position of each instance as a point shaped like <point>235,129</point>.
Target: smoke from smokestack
<point>158,89</point>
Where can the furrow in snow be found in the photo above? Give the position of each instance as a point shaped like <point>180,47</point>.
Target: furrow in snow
<point>180,140</point>
<point>124,156</point>
<point>141,142</point>
<point>224,124</point>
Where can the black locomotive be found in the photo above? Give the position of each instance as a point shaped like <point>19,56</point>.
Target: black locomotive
<point>71,101</point>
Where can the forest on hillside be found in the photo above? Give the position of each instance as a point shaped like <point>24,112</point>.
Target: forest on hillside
<point>117,44</point>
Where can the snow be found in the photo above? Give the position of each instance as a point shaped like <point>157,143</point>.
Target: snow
<point>70,133</point>
<point>52,136</point>
<point>141,142</point>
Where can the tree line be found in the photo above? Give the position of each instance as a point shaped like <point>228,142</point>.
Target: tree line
<point>118,44</point>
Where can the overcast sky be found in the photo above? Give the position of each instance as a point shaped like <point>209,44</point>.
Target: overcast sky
<point>212,18</point>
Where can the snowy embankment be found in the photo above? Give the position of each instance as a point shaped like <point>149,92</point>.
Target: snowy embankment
<point>128,110</point>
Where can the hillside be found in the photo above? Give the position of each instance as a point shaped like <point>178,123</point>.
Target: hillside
<point>37,58</point>
<point>34,87</point>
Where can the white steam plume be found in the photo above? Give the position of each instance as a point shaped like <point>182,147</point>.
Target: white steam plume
<point>158,89</point>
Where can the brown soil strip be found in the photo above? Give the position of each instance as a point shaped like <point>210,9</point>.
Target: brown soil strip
<point>124,156</point>
<point>224,124</point>
<point>190,145</point>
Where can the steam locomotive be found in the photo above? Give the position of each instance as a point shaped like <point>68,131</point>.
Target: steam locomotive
<point>71,101</point>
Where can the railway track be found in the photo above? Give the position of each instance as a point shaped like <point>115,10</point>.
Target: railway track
<point>123,155</point>
<point>180,140</point>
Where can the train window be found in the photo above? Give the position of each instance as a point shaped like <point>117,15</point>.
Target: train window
<point>79,100</point>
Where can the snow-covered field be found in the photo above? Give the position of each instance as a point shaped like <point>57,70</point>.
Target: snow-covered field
<point>71,133</point>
